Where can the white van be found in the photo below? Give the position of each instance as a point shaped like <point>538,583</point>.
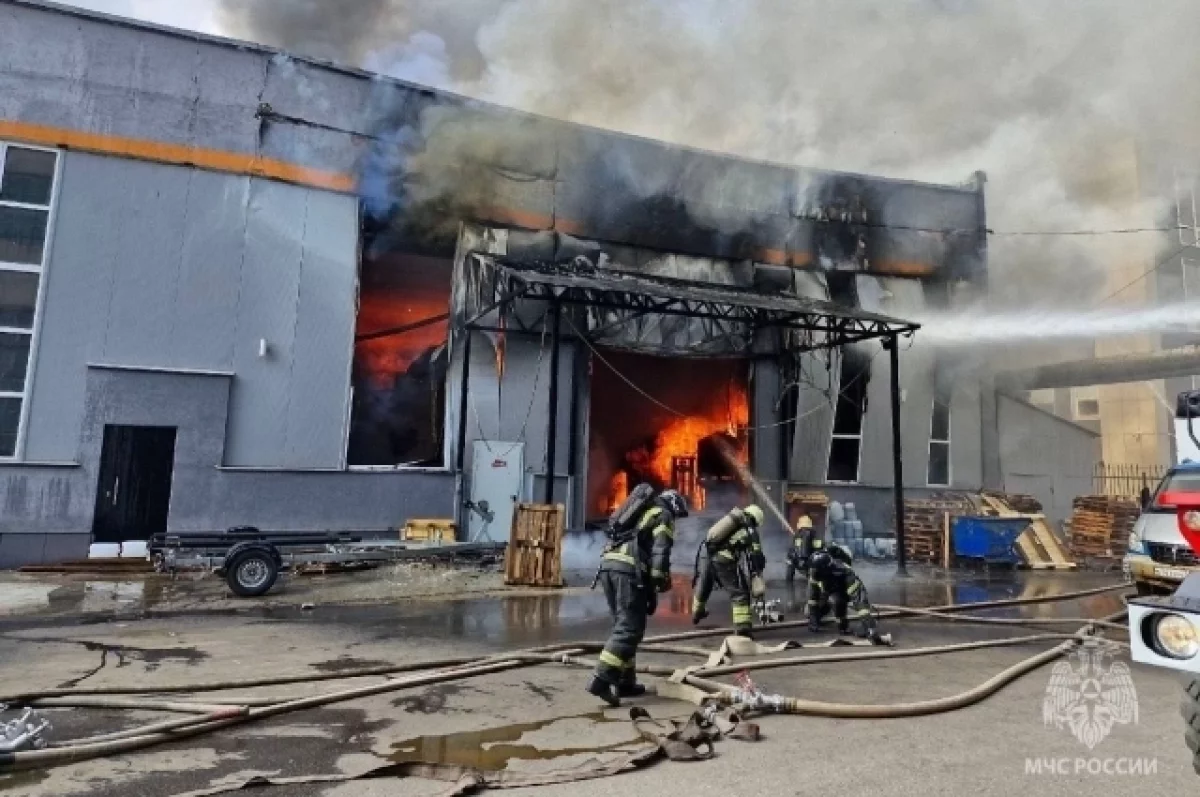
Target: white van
<point>1159,558</point>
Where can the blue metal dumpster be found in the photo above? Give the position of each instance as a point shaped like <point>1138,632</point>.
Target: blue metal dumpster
<point>992,539</point>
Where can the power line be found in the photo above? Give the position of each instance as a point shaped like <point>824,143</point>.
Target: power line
<point>1118,231</point>
<point>841,388</point>
<point>1159,264</point>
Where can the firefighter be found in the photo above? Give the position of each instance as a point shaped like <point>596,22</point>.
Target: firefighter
<point>731,557</point>
<point>634,570</point>
<point>804,542</point>
<point>833,584</point>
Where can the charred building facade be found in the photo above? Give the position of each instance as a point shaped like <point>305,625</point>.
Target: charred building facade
<point>234,288</point>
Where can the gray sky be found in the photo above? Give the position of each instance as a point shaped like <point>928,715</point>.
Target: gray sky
<point>190,14</point>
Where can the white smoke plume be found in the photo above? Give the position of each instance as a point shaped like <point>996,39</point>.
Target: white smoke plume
<point>1074,110</point>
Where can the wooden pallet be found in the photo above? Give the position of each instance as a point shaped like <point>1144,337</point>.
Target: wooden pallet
<point>534,555</point>
<point>1100,526</point>
<point>925,525</point>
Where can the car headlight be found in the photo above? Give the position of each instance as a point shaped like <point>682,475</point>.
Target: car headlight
<point>1175,636</point>
<point>1136,546</point>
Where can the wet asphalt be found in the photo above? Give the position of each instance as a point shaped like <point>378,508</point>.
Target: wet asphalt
<point>513,719</point>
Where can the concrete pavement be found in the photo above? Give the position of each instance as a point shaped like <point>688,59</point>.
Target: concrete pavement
<point>539,718</point>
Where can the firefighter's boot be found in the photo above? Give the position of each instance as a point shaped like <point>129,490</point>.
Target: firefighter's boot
<point>605,691</point>
<point>631,689</point>
<point>699,612</point>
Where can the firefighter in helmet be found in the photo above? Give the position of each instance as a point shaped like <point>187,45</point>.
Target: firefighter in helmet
<point>804,543</point>
<point>833,584</point>
<point>634,569</point>
<point>731,557</point>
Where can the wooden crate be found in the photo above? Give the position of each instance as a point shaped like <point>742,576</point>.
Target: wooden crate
<point>534,554</point>
<point>428,530</point>
<point>812,503</point>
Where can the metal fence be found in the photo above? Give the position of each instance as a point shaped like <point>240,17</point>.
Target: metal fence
<point>1118,479</point>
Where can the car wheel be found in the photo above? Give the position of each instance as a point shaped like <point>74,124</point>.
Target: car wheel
<point>251,573</point>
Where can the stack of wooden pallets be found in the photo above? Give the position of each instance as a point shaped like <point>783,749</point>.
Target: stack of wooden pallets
<point>925,522</point>
<point>1100,526</point>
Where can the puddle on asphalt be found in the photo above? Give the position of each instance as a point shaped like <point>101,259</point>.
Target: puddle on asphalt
<point>494,749</point>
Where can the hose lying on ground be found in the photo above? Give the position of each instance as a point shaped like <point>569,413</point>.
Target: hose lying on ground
<point>972,619</point>
<point>459,661</point>
<point>35,759</point>
<point>120,743</point>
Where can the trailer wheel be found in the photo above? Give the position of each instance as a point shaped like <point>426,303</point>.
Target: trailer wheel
<point>251,572</point>
<point>1191,714</point>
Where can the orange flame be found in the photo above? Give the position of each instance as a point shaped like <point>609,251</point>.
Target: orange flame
<point>681,438</point>
<point>385,358</point>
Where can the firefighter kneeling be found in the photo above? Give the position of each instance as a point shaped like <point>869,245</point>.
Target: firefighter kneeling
<point>731,557</point>
<point>833,584</point>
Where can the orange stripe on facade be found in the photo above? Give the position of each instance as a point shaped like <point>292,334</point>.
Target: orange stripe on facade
<point>177,154</point>
<point>256,165</point>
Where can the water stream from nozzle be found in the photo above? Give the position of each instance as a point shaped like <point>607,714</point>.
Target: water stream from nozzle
<point>979,326</point>
<point>760,492</point>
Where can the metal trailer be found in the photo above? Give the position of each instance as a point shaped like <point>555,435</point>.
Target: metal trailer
<point>251,560</point>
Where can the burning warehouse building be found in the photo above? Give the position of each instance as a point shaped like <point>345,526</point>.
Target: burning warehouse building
<point>241,288</point>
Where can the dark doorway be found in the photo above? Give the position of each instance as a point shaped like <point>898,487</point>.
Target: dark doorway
<point>133,494</point>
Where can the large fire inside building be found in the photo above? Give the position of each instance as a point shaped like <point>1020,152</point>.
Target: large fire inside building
<point>387,316</point>
<point>678,437</point>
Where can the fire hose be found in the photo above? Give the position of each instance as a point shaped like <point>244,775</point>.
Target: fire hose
<point>210,717</point>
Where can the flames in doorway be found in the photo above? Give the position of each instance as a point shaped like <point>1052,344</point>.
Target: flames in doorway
<point>679,448</point>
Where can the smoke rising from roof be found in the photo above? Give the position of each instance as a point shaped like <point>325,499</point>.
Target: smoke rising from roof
<point>1059,102</point>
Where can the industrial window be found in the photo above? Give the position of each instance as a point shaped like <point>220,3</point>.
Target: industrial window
<point>939,438</point>
<point>1086,401</point>
<point>400,361</point>
<point>26,196</point>
<point>845,446</point>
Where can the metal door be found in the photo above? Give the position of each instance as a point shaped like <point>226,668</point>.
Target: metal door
<point>496,480</point>
<point>133,494</point>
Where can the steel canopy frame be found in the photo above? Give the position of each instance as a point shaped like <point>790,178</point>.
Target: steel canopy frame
<point>645,294</point>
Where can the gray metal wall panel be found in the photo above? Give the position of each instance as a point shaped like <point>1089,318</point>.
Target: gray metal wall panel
<point>1046,455</point>
<point>815,402</point>
<point>916,382</point>
<point>141,302</point>
<point>270,289</point>
<point>204,331</point>
<point>324,337</point>
<point>765,438</point>
<point>172,267</point>
<point>516,408</point>
<point>53,506</point>
<point>966,438</point>
<point>83,258</point>
<point>85,74</point>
